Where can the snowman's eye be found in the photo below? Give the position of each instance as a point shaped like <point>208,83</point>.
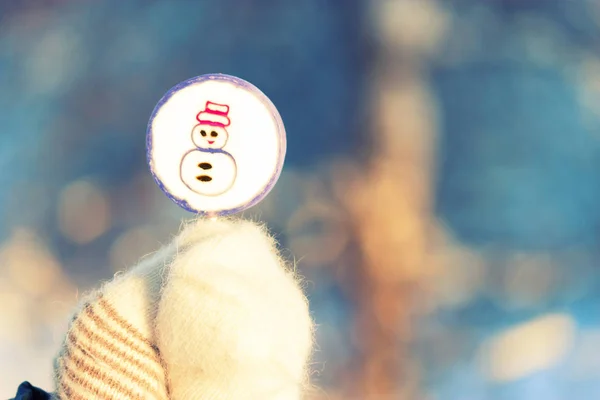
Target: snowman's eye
<point>213,134</point>
<point>203,133</point>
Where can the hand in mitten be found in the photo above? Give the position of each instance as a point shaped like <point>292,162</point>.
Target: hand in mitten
<point>214,315</point>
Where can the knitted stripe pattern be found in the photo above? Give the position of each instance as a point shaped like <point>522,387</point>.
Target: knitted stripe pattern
<point>104,357</point>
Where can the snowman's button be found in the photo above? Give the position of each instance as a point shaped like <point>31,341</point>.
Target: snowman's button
<point>215,144</point>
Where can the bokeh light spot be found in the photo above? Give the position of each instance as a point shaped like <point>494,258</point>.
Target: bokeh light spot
<point>528,348</point>
<point>83,212</point>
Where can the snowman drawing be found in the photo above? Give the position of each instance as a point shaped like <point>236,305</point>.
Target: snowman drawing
<point>208,169</point>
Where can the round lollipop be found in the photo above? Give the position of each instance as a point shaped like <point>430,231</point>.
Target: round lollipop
<point>215,144</point>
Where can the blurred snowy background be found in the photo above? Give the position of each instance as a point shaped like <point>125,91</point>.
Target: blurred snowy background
<point>440,192</point>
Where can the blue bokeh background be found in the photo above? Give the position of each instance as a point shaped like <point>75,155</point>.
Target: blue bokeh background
<point>515,90</point>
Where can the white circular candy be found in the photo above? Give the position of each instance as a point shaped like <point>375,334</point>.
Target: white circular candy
<point>215,144</point>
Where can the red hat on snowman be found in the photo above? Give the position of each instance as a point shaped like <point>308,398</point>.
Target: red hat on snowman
<point>214,114</point>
